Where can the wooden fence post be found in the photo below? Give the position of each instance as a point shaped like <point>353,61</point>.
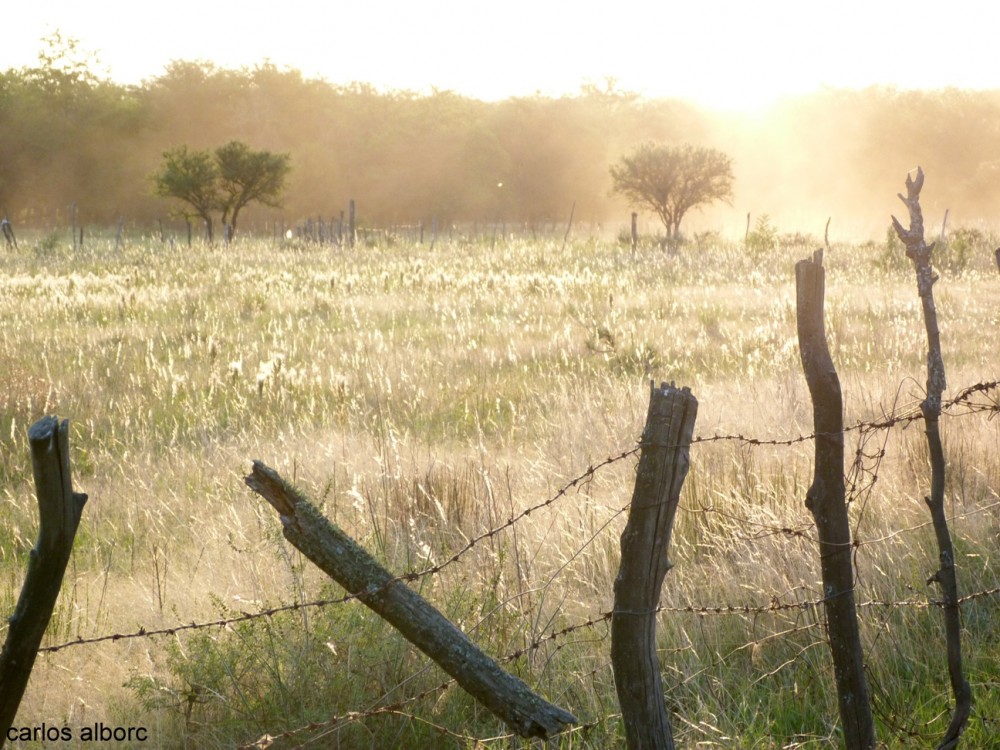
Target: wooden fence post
<point>8,232</point>
<point>645,542</point>
<point>569,225</point>
<point>920,253</point>
<point>59,510</point>
<point>635,232</point>
<point>826,501</point>
<point>352,230</point>
<point>344,560</point>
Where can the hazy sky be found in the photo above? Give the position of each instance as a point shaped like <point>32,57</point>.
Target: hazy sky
<point>724,53</point>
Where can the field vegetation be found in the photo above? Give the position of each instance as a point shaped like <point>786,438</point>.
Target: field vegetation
<point>424,396</point>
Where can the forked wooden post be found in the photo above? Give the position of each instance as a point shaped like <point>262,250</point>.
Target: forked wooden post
<point>826,500</point>
<point>59,510</point>
<point>663,465</point>
<point>344,560</point>
<point>920,253</point>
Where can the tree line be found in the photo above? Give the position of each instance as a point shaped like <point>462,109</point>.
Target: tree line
<point>71,135</point>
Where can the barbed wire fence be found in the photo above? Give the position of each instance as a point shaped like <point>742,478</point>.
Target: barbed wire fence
<point>861,476</point>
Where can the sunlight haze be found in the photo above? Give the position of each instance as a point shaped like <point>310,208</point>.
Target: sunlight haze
<point>718,54</point>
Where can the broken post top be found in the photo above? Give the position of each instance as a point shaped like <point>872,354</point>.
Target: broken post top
<point>913,237</point>
<point>267,483</point>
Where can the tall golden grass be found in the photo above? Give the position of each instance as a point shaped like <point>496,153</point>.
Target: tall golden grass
<point>425,396</point>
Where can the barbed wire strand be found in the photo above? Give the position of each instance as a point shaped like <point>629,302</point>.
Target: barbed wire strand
<point>856,474</point>
<point>963,398</point>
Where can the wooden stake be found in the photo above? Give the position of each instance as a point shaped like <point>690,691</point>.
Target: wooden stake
<point>920,253</point>
<point>825,499</point>
<point>59,512</point>
<point>663,465</point>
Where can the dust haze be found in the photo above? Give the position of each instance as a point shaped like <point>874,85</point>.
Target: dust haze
<point>72,137</point>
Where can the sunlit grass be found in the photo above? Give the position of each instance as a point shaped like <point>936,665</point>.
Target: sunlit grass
<point>425,396</point>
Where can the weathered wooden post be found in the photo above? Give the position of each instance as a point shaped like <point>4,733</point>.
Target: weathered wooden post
<point>569,225</point>
<point>996,256</point>
<point>920,253</point>
<point>59,511</point>
<point>8,233</point>
<point>118,236</point>
<point>826,500</point>
<point>635,231</point>
<point>663,465</point>
<point>351,225</point>
<point>344,560</point>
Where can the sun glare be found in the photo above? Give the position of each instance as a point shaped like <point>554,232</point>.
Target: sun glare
<point>720,54</point>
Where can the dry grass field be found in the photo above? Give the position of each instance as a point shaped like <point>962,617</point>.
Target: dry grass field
<point>424,396</point>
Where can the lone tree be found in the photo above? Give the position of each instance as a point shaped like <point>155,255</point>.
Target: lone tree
<point>671,180</point>
<point>225,180</point>
<point>246,175</point>
<point>191,177</point>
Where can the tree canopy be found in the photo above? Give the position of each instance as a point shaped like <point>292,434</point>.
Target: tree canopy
<point>225,180</point>
<point>671,180</point>
<point>190,177</point>
<point>246,175</point>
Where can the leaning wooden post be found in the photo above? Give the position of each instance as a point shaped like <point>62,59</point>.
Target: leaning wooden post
<point>826,501</point>
<point>344,560</point>
<point>59,510</point>
<point>920,253</point>
<point>663,465</point>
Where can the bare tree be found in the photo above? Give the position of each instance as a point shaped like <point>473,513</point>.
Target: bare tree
<point>671,180</point>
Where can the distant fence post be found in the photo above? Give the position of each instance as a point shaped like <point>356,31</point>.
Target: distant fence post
<point>920,253</point>
<point>59,510</point>
<point>645,542</point>
<point>121,230</point>
<point>351,225</point>
<point>826,500</point>
<point>344,560</point>
<point>996,256</point>
<point>635,231</point>
<point>8,233</point>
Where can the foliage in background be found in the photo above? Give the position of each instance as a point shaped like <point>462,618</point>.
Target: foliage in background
<point>70,135</point>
